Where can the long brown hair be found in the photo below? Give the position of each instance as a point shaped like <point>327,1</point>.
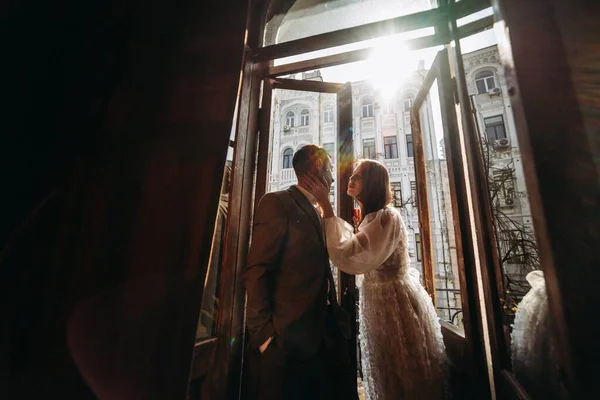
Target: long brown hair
<point>376,191</point>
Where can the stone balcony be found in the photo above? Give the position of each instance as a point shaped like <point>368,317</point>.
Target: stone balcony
<point>283,177</point>
<point>396,169</point>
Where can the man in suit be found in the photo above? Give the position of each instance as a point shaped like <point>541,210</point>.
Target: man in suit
<point>298,345</point>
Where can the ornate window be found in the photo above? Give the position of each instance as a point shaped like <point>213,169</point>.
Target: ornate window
<point>305,118</point>
<point>367,107</point>
<point>494,128</point>
<point>485,81</point>
<point>288,154</point>
<point>409,146</point>
<point>369,148</point>
<point>390,146</point>
<point>290,119</point>
<point>328,114</point>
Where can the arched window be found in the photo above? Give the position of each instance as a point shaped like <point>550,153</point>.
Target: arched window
<point>288,154</point>
<point>409,99</point>
<point>485,81</point>
<point>328,114</point>
<point>367,107</point>
<point>290,119</point>
<point>305,118</point>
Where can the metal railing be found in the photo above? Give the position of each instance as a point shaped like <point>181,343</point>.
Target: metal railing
<point>452,312</point>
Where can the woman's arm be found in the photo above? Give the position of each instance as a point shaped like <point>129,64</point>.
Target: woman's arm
<point>369,248</point>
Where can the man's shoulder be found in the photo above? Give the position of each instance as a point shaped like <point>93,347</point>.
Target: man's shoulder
<point>285,193</point>
<point>279,194</point>
<point>280,197</point>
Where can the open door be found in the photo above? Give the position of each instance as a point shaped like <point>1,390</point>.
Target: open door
<point>444,207</point>
<point>295,113</point>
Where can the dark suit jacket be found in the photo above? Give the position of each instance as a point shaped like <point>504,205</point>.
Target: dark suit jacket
<point>286,276</point>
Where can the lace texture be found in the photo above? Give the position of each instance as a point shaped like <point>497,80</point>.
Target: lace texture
<point>402,349</point>
<point>533,347</point>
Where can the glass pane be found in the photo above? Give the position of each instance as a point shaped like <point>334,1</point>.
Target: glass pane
<point>209,307</point>
<point>445,261</point>
<point>319,110</point>
<point>308,18</point>
<point>493,120</point>
<point>409,146</point>
<point>481,86</point>
<point>511,214</point>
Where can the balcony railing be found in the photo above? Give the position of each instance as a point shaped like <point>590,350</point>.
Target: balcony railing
<point>395,168</point>
<point>395,171</point>
<point>287,175</point>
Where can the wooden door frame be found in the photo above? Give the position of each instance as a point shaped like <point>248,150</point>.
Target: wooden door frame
<point>465,346</point>
<point>550,124</point>
<point>487,262</point>
<point>252,132</point>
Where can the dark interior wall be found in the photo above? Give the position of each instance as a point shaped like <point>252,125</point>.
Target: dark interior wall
<point>578,21</point>
<point>552,74</point>
<point>112,149</point>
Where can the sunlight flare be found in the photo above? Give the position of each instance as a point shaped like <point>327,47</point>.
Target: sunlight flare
<point>390,63</point>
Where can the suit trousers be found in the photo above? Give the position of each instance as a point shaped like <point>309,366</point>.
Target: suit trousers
<point>328,375</point>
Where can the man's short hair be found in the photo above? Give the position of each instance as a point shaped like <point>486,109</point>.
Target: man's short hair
<point>306,157</point>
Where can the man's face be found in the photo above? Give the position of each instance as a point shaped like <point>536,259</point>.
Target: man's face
<point>326,172</point>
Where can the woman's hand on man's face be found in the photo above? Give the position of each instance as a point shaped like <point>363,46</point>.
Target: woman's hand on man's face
<point>318,187</point>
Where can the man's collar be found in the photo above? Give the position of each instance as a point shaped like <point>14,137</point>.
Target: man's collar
<point>307,194</point>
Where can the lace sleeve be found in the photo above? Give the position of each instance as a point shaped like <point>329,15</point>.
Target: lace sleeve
<point>375,241</point>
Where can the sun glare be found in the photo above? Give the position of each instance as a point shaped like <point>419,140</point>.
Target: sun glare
<point>390,63</point>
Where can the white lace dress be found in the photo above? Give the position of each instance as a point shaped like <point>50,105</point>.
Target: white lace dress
<point>534,354</point>
<point>403,355</point>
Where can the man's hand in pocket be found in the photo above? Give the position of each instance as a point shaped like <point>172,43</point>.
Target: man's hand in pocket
<point>264,346</point>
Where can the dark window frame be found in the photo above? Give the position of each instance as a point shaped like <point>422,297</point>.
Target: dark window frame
<point>372,153</point>
<point>410,150</point>
<point>390,148</point>
<point>287,158</point>
<point>492,126</point>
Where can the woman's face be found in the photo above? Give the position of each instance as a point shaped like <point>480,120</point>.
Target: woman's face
<point>355,184</point>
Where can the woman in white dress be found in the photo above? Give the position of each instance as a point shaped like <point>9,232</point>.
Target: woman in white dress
<point>403,355</point>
